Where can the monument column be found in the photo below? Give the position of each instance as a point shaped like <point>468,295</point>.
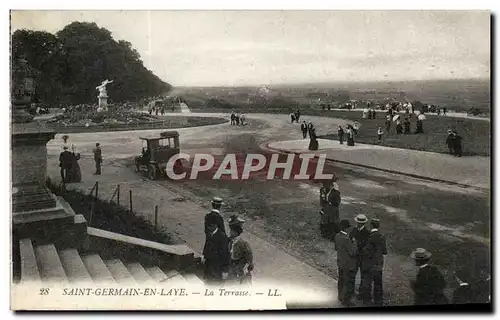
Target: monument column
<point>36,212</point>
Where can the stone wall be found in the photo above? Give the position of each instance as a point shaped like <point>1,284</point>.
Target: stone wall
<point>29,163</point>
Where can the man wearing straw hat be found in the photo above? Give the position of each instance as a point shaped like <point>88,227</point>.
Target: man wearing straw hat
<point>214,216</point>
<point>430,283</point>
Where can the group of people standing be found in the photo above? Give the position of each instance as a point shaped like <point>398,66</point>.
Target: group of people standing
<point>309,129</point>
<point>350,132</point>
<point>295,115</point>
<point>68,162</point>
<point>227,259</point>
<point>237,119</point>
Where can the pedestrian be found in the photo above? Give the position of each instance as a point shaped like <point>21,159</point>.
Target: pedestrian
<point>323,193</point>
<point>406,126</point>
<point>399,127</point>
<point>463,294</point>
<point>450,142</point>
<point>444,111</point>
<point>331,215</point>
<point>374,252</point>
<point>420,126</point>
<point>340,133</point>
<point>380,132</point>
<point>430,283</point>
<point>216,255</point>
<point>65,161</point>
<point>350,136</point>
<point>303,128</point>
<point>215,216</point>
<point>97,159</point>
<point>309,127</point>
<point>292,117</point>
<point>388,121</point>
<point>241,263</point>
<point>361,234</point>
<point>346,263</point>
<point>457,144</point>
<point>438,111</point>
<point>233,118</point>
<point>313,143</point>
<point>297,115</point>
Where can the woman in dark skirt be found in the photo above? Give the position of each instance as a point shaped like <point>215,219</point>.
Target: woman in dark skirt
<point>241,265</point>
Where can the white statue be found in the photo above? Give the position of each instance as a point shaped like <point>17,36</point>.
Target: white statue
<point>102,88</point>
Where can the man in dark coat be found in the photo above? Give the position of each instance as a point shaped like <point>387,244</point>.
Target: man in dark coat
<point>374,252</point>
<point>215,217</point>
<point>331,216</point>
<point>346,263</point>
<point>458,144</point>
<point>65,162</point>
<point>361,234</point>
<point>430,283</point>
<point>97,159</point>
<point>340,133</point>
<point>216,255</point>
<point>303,128</point>
<point>450,142</point>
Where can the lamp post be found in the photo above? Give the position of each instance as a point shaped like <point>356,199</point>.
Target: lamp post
<point>21,91</point>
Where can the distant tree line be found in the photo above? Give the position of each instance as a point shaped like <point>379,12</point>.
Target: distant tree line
<point>69,65</point>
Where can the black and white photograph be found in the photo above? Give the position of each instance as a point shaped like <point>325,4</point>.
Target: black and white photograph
<point>242,160</point>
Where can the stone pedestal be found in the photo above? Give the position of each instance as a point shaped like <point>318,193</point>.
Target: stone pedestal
<point>36,212</point>
<point>103,102</point>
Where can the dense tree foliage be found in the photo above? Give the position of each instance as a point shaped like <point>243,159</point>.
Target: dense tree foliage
<point>70,64</point>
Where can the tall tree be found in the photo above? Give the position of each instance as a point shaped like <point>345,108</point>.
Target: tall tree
<point>69,65</point>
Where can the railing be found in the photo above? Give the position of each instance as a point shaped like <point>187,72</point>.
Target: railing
<point>94,193</point>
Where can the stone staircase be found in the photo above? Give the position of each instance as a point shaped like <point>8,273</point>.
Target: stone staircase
<point>47,264</point>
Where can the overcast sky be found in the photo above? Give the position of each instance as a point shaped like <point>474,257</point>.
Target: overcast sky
<point>272,47</point>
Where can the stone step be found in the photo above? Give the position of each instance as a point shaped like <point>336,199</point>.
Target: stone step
<point>174,277</point>
<point>49,264</point>
<point>157,274</point>
<point>74,266</point>
<point>98,269</point>
<point>119,272</point>
<point>139,273</point>
<point>29,266</point>
<point>193,280</point>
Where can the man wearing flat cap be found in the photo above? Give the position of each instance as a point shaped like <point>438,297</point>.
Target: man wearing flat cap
<point>361,234</point>
<point>214,216</point>
<point>430,283</point>
<point>374,252</point>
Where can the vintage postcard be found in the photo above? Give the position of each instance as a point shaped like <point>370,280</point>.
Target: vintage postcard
<point>250,160</point>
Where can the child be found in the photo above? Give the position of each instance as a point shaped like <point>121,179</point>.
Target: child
<point>380,132</point>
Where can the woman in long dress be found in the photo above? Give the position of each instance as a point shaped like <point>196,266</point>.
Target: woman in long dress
<point>76,174</point>
<point>241,264</point>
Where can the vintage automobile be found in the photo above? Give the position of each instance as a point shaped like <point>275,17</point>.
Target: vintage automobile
<point>156,152</point>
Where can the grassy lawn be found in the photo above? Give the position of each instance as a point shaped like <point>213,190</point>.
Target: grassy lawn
<point>476,134</point>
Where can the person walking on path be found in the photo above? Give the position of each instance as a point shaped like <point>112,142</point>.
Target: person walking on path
<point>374,251</point>
<point>65,161</point>
<point>380,132</point>
<point>430,283</point>
<point>97,159</point>
<point>303,128</point>
<point>388,121</point>
<point>331,216</point>
<point>340,133</point>
<point>457,144</point>
<point>215,255</point>
<point>361,234</point>
<point>346,264</point>
<point>450,142</point>
<point>215,217</point>
<point>241,263</point>
<point>350,136</point>
<point>406,126</point>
